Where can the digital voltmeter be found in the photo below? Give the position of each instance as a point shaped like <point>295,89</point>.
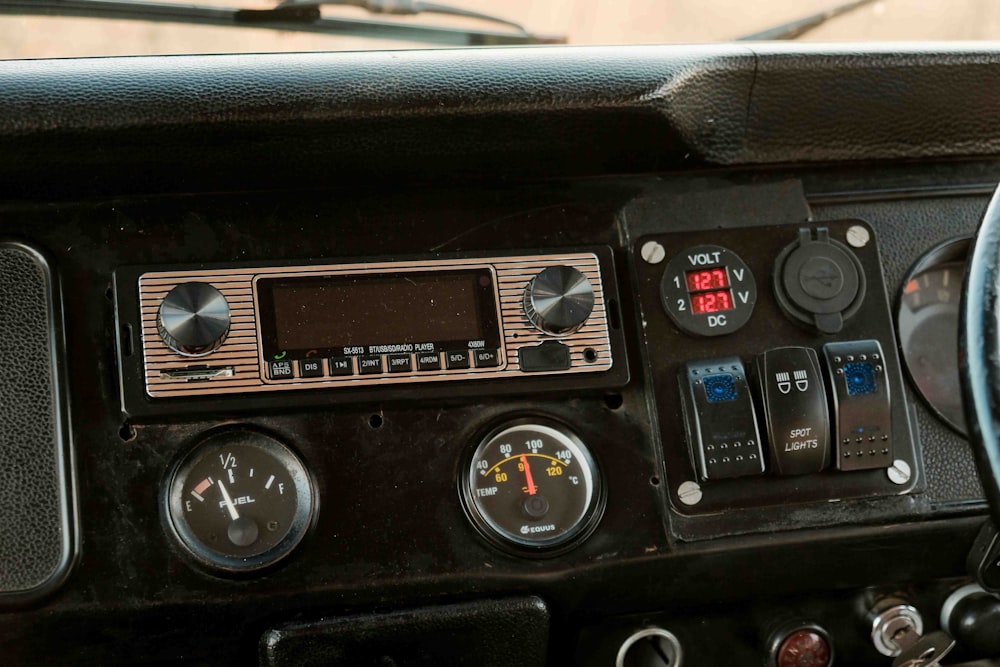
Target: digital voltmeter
<point>707,290</point>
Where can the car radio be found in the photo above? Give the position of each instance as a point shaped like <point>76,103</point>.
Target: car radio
<point>213,331</point>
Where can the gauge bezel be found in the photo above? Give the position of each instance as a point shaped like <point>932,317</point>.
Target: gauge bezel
<point>306,510</point>
<point>513,544</point>
<point>952,250</point>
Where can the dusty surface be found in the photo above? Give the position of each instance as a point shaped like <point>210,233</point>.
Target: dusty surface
<point>582,21</point>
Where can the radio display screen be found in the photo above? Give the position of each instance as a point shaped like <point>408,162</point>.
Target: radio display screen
<point>377,313</point>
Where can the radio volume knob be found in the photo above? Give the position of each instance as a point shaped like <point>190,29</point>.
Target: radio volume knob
<point>559,300</point>
<point>193,319</point>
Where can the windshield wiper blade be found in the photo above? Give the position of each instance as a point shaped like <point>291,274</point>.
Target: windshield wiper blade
<point>291,18</point>
<point>407,8</point>
<point>797,28</point>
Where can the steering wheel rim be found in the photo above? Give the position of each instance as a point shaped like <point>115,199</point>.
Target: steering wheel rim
<point>979,351</point>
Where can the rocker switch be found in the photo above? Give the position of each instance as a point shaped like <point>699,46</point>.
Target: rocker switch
<point>719,417</point>
<point>798,420</point>
<point>863,419</point>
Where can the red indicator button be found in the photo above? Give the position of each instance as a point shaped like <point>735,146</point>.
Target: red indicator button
<point>804,648</point>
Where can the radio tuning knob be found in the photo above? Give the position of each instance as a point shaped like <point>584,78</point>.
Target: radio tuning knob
<point>193,319</point>
<point>559,300</point>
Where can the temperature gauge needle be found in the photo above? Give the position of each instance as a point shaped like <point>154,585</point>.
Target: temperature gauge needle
<point>532,489</point>
<point>233,514</point>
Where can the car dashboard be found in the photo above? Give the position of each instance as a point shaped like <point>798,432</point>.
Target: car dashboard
<point>524,356</point>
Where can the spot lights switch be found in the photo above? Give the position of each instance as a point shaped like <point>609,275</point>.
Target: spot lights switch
<point>720,420</point>
<point>861,404</point>
<point>798,420</point>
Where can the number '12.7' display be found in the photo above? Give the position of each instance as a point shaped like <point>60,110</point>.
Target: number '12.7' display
<point>711,302</point>
<point>707,279</point>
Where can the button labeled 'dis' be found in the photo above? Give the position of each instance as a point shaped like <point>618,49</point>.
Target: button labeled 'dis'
<point>310,368</point>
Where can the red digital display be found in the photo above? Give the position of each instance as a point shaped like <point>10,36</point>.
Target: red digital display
<point>707,279</point>
<point>711,302</point>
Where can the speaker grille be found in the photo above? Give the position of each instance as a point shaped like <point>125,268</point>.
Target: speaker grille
<point>36,530</point>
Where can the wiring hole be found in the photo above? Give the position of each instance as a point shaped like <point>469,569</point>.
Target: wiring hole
<point>127,432</point>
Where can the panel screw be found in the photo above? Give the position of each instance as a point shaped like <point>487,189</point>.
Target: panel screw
<point>858,236</point>
<point>689,493</point>
<point>900,472</point>
<point>653,252</point>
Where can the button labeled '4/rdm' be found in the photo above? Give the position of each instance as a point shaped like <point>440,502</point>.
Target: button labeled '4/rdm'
<point>797,417</point>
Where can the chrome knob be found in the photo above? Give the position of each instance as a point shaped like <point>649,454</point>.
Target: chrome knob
<point>193,319</point>
<point>559,300</point>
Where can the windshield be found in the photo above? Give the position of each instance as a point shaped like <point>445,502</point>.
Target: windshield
<point>67,28</point>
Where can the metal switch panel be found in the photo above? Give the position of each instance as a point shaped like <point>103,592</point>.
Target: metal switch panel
<point>719,416</point>
<point>795,408</point>
<point>860,403</point>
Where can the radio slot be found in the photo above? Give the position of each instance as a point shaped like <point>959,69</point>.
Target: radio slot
<point>198,374</point>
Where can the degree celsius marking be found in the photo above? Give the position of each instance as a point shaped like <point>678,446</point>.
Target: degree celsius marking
<point>513,458</point>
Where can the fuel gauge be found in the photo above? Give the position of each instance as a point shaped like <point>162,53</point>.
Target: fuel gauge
<point>240,501</point>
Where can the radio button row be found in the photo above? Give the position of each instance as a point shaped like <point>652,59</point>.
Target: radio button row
<point>310,368</point>
<point>399,363</point>
<point>428,361</point>
<point>486,358</point>
<point>370,365</point>
<point>280,370</point>
<point>456,359</point>
<point>341,366</point>
<point>373,364</point>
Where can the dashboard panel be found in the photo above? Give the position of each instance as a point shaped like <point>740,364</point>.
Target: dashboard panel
<point>684,305</point>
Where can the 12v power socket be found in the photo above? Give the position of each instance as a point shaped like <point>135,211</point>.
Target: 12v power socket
<point>818,281</point>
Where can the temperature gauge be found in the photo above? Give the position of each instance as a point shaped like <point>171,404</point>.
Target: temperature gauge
<point>240,501</point>
<point>533,486</point>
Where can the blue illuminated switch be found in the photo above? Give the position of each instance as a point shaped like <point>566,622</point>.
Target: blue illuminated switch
<point>719,418</point>
<point>862,416</point>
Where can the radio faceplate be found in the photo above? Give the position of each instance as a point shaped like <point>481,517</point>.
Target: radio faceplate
<point>375,323</point>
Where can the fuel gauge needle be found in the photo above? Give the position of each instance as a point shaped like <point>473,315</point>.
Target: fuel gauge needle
<point>532,489</point>
<point>233,514</point>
